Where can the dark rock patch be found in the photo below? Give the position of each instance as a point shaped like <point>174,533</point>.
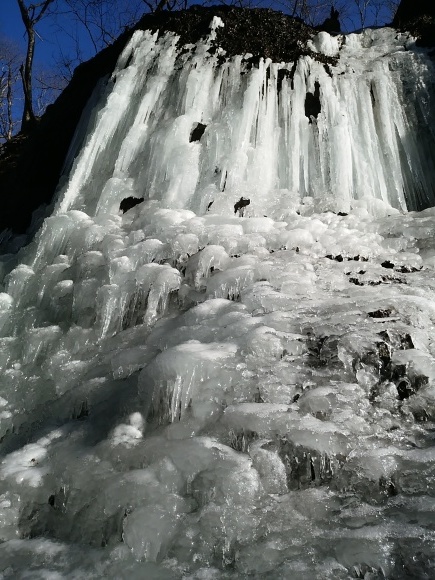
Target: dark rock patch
<point>240,440</point>
<point>292,74</point>
<point>306,467</point>
<point>332,23</point>
<point>197,132</point>
<point>129,202</point>
<point>239,207</point>
<point>382,280</point>
<point>409,10</point>
<point>387,264</point>
<point>405,389</point>
<point>401,269</point>
<point>407,269</point>
<point>224,181</point>
<point>312,103</point>
<point>417,17</point>
<point>323,350</point>
<point>372,95</point>
<point>338,258</point>
<point>285,73</point>
<point>397,339</point>
<point>380,313</point>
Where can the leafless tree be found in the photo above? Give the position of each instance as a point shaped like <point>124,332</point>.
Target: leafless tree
<point>101,20</point>
<point>392,6</point>
<point>31,14</point>
<point>49,83</point>
<point>313,12</point>
<point>10,58</point>
<point>378,12</point>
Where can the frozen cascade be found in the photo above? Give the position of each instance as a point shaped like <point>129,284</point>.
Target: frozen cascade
<point>206,388</point>
<point>371,136</point>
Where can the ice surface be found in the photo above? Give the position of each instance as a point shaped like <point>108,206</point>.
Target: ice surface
<point>193,391</point>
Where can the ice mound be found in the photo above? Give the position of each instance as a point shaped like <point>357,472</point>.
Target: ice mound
<point>207,391</point>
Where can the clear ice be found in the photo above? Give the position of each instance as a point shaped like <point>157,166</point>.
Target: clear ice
<point>235,377</point>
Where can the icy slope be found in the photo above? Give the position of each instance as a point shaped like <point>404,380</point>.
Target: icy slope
<point>196,391</point>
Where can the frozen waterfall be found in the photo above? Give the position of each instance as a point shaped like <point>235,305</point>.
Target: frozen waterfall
<point>368,134</point>
<point>233,378</point>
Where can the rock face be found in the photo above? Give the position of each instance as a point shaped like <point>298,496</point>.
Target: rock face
<point>409,10</point>
<point>418,17</point>
<point>332,23</point>
<point>30,165</point>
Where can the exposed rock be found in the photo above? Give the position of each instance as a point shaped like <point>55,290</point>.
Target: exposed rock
<point>380,313</point>
<point>197,132</point>
<point>332,23</point>
<point>312,103</point>
<point>409,10</point>
<point>306,467</point>
<point>417,17</point>
<point>129,202</point>
<point>239,207</point>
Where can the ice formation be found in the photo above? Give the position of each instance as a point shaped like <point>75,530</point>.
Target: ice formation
<point>199,389</point>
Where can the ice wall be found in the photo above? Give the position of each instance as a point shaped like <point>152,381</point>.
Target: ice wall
<point>360,128</point>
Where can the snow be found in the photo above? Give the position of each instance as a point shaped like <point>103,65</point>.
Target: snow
<point>193,391</point>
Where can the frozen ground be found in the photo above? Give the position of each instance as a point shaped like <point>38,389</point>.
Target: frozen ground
<point>214,394</point>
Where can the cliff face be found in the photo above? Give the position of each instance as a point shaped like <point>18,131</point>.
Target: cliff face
<point>409,10</point>
<point>418,17</point>
<point>30,166</point>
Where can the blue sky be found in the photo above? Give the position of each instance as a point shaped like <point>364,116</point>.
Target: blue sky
<point>48,41</point>
<point>47,51</point>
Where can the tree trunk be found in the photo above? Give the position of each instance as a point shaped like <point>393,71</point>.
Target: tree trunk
<point>30,15</point>
<point>29,118</point>
<point>9,99</point>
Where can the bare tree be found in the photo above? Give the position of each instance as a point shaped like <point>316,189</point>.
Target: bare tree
<point>49,83</point>
<point>31,14</point>
<point>391,7</point>
<point>10,58</point>
<point>377,12</point>
<point>313,12</point>
<point>101,20</point>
